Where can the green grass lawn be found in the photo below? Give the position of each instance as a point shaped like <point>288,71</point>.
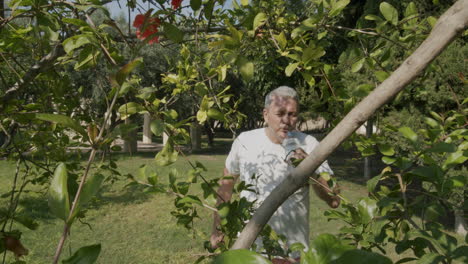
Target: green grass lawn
<point>136,227</point>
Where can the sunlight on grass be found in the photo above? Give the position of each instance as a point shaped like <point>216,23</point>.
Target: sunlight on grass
<point>137,227</point>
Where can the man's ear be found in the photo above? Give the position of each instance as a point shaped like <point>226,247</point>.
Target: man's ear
<point>265,115</point>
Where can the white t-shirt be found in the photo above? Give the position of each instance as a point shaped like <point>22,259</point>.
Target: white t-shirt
<point>261,163</point>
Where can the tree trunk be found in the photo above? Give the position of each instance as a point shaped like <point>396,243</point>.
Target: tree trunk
<point>460,223</point>
<point>195,136</point>
<point>147,129</point>
<point>130,142</point>
<point>450,24</point>
<point>209,133</point>
<point>2,9</point>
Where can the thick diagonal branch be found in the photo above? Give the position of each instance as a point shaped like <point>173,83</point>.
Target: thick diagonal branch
<point>450,24</point>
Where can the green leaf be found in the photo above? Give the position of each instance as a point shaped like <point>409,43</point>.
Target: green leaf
<point>75,42</point>
<point>456,158</point>
<point>141,174</point>
<point>122,74</point>
<point>357,256</point>
<point>430,258</point>
<point>90,189</point>
<point>381,75</point>
<point>202,116</point>
<point>312,53</point>
<point>432,21</point>
<point>129,109</point>
<point>63,120</point>
<point>337,7</point>
<point>190,199</point>
<point>458,181</point>
<point>157,127</point>
<point>373,18</point>
<point>173,33</point>
<point>389,12</point>
<point>367,208</point>
<point>428,173</point>
<point>431,122</point>
<point>357,66</point>
<point>208,10</point>
<point>386,149</point>
<point>372,183</point>
<point>59,201</point>
<point>433,212</point>
<point>281,39</point>
<point>215,114</point>
<point>75,21</point>
<point>326,248</point>
<point>291,68</point>
<point>363,90</point>
<point>84,255</point>
<point>461,254</point>
<point>259,20</point>
<point>408,133</point>
<point>388,160</point>
<point>442,147</point>
<point>26,221</point>
<point>411,9</point>
<point>246,68</point>
<point>245,2</point>
<point>195,4</point>
<point>240,256</point>
<point>167,155</point>
<point>309,78</point>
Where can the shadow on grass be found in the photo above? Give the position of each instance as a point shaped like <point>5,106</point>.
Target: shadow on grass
<point>132,194</point>
<point>349,165</point>
<point>36,207</point>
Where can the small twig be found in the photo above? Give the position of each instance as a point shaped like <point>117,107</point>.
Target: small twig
<point>274,40</point>
<point>372,33</point>
<point>328,82</point>
<point>327,188</point>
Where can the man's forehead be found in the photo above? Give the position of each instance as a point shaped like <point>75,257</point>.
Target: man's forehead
<point>281,101</point>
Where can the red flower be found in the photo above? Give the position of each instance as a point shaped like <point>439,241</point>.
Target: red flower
<point>147,26</point>
<point>176,4</point>
<point>139,20</point>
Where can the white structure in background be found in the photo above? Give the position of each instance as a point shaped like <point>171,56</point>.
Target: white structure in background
<point>147,128</point>
<point>362,129</point>
<point>5,8</point>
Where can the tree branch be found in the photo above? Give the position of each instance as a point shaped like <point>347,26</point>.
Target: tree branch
<point>450,24</point>
<point>41,66</point>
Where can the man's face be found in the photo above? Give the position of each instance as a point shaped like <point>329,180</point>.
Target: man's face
<point>281,117</point>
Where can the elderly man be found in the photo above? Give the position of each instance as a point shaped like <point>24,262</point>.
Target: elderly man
<point>259,157</point>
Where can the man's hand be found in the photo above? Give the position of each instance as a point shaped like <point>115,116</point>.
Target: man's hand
<point>323,191</point>
<point>321,187</point>
<point>216,238</point>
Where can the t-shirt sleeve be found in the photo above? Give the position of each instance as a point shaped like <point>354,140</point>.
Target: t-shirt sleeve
<point>232,160</point>
<point>312,143</point>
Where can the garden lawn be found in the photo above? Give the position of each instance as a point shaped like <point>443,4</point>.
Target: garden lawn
<point>134,226</point>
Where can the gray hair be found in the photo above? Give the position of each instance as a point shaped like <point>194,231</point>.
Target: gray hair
<point>283,92</point>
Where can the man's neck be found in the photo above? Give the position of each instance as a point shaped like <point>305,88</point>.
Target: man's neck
<point>272,136</point>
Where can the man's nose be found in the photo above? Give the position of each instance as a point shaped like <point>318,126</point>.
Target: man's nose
<point>286,119</point>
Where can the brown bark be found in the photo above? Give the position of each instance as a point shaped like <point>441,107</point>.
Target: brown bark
<point>450,24</point>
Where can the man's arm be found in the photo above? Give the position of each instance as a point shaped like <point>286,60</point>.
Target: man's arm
<point>320,186</point>
<point>224,195</point>
<point>323,190</point>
